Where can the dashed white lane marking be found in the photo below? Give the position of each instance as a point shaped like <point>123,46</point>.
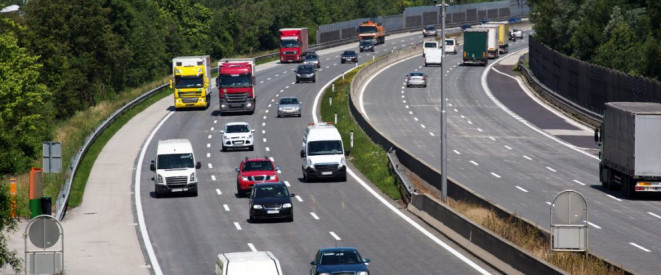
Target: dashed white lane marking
<point>432,134</point>
<point>252,247</point>
<point>492,138</point>
<point>227,208</point>
<point>637,246</point>
<point>551,169</point>
<point>299,198</point>
<point>268,78</point>
<point>213,177</point>
<point>273,100</point>
<point>314,215</point>
<point>548,202</point>
<point>277,95</point>
<point>423,126</point>
<point>287,87</point>
<point>283,90</point>
<point>261,82</point>
<point>415,118</point>
<point>654,215</point>
<point>455,110</point>
<point>576,181</point>
<point>407,106</point>
<point>527,157</point>
<point>508,148</point>
<point>337,238</point>
<point>208,145</point>
<point>271,158</point>
<point>519,187</point>
<point>470,122</point>
<point>404,101</point>
<point>263,131</point>
<point>263,124</point>
<point>495,175</point>
<point>449,104</point>
<point>594,225</point>
<point>209,136</point>
<point>211,129</point>
<point>410,112</point>
<point>474,163</point>
<point>277,75</point>
<point>237,225</point>
<point>218,192</point>
<point>210,166</point>
<point>269,106</point>
<point>462,116</point>
<point>208,155</point>
<point>268,149</point>
<point>264,117</point>
<point>287,183</point>
<point>456,152</point>
<point>479,129</point>
<point>266,111</point>
<point>264,140</point>
<point>215,121</point>
<point>611,196</point>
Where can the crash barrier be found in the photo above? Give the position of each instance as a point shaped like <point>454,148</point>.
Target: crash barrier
<point>63,196</point>
<point>584,84</point>
<point>455,190</point>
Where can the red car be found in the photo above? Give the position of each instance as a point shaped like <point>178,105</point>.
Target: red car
<point>254,170</point>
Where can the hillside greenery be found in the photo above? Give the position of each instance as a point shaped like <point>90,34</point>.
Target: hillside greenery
<point>624,35</point>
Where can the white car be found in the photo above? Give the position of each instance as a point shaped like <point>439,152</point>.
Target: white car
<point>517,33</point>
<point>237,135</point>
<point>450,45</point>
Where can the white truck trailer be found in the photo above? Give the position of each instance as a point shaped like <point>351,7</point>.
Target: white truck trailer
<point>630,140</point>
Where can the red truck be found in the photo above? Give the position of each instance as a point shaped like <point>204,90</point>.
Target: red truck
<point>293,44</point>
<point>236,85</point>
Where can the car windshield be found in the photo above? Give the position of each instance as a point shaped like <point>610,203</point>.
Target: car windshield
<point>311,57</point>
<point>449,42</point>
<point>339,257</point>
<point>324,147</point>
<point>416,74</point>
<point>257,165</point>
<point>430,28</point>
<point>305,69</point>
<point>239,128</point>
<point>188,82</point>
<point>366,42</point>
<point>270,191</point>
<point>430,45</point>
<point>175,161</point>
<point>289,43</point>
<point>349,53</point>
<point>228,81</point>
<point>284,101</point>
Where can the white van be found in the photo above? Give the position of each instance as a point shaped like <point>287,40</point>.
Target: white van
<point>323,153</point>
<point>247,263</point>
<point>434,57</point>
<point>428,45</point>
<point>174,167</point>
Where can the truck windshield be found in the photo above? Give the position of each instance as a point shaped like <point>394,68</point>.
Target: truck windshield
<point>325,147</point>
<point>175,161</point>
<point>289,43</point>
<point>228,81</point>
<point>188,82</point>
<point>367,29</point>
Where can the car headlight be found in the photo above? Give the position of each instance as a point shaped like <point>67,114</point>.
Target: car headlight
<point>299,75</point>
<point>324,273</point>
<point>273,177</point>
<point>257,206</point>
<point>308,163</point>
<point>249,104</point>
<point>244,178</point>
<point>250,136</point>
<point>192,177</point>
<point>343,162</point>
<point>225,137</point>
<point>159,179</point>
<point>286,205</point>
<point>363,273</point>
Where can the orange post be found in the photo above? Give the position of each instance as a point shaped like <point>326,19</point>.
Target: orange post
<point>35,183</point>
<point>12,194</point>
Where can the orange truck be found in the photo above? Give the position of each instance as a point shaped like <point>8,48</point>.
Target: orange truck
<point>372,31</point>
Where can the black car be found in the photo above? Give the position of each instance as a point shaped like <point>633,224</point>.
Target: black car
<point>339,260</point>
<point>305,72</point>
<point>366,45</point>
<point>271,200</point>
<point>465,26</point>
<point>349,56</point>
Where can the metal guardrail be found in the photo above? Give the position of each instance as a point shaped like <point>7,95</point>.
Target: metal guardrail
<point>393,164</point>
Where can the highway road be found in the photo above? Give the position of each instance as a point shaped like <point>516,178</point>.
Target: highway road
<point>183,235</point>
<point>507,147</point>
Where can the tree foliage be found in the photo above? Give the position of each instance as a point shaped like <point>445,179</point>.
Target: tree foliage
<point>619,34</point>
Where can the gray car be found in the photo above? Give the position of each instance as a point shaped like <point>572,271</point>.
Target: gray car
<point>289,106</point>
<point>313,59</point>
<point>430,31</point>
<point>416,79</point>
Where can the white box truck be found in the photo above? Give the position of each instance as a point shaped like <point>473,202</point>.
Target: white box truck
<point>174,167</point>
<point>630,140</point>
<point>247,263</point>
<point>492,41</point>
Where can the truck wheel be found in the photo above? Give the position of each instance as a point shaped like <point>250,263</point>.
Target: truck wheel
<point>239,193</point>
<point>223,148</point>
<point>343,178</point>
<point>628,187</point>
<point>194,192</point>
<point>251,148</point>
<point>157,193</point>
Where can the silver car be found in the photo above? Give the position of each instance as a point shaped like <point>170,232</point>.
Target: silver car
<point>313,59</point>
<point>416,79</point>
<point>289,106</point>
<point>517,33</point>
<point>429,31</point>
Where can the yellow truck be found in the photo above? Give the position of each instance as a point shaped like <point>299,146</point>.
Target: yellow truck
<point>190,81</point>
<point>503,38</point>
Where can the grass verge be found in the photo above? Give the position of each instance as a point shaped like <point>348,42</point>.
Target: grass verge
<point>366,156</point>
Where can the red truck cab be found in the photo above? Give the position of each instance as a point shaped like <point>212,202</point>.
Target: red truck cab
<point>293,44</point>
<point>236,85</point>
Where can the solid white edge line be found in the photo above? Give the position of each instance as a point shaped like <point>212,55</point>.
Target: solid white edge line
<point>612,197</point>
<point>486,89</point>
<point>382,200</point>
<point>361,106</point>
<point>156,267</point>
<point>252,247</point>
<point>594,225</point>
<point>654,215</point>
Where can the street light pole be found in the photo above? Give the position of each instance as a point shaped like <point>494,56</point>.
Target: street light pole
<point>444,175</point>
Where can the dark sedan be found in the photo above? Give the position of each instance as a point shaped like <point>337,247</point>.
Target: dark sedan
<point>305,72</point>
<point>349,56</point>
<point>339,260</point>
<point>366,45</point>
<point>271,201</point>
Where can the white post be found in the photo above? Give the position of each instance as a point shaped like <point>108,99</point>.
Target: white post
<point>351,137</point>
<point>335,118</point>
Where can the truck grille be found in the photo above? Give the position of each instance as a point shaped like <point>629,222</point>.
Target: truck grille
<point>257,178</point>
<point>344,273</point>
<point>176,181</point>
<point>272,206</point>
<point>189,99</point>
<point>237,97</point>
<point>190,94</point>
<point>326,167</point>
<point>290,52</point>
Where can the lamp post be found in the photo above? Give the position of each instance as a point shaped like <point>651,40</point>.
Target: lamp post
<point>444,175</point>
